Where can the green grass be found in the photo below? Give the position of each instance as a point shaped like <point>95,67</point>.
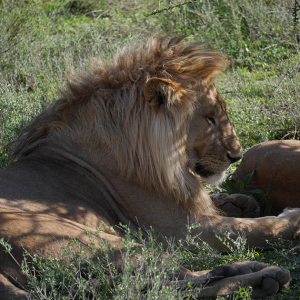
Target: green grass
<point>40,40</point>
<point>79,276</point>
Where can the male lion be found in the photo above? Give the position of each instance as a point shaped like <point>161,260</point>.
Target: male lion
<point>132,142</point>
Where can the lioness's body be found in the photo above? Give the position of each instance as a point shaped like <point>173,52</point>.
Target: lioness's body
<point>131,143</point>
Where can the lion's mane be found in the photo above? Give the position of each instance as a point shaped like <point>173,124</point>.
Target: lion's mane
<point>104,111</point>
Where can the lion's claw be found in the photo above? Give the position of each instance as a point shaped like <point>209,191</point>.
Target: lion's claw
<point>270,285</point>
<point>241,200</point>
<point>283,278</point>
<point>231,210</point>
<point>237,205</point>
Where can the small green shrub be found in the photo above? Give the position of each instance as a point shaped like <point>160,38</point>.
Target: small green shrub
<point>230,186</point>
<point>241,294</point>
<point>88,272</point>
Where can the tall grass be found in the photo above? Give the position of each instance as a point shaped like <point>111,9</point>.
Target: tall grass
<point>39,39</point>
<point>148,271</point>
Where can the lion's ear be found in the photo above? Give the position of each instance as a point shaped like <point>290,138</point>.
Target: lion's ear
<point>159,91</point>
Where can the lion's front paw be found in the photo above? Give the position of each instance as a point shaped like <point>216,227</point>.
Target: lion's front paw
<point>237,205</point>
<point>264,280</point>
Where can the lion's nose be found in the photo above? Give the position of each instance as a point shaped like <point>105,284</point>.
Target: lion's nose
<point>233,159</point>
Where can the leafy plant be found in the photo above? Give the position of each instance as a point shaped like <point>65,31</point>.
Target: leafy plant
<point>237,247</point>
<point>230,186</point>
<point>241,294</point>
<point>87,271</point>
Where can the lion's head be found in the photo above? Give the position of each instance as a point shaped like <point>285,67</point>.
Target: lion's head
<point>153,116</point>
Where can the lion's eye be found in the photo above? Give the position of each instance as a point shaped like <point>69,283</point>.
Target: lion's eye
<point>211,120</point>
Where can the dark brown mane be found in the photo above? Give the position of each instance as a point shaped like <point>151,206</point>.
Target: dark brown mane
<point>105,109</point>
<point>184,63</point>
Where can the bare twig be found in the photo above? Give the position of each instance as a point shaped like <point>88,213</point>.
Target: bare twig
<point>168,7</point>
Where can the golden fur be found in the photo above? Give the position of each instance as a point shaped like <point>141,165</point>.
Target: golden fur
<point>147,148</point>
<point>125,142</point>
